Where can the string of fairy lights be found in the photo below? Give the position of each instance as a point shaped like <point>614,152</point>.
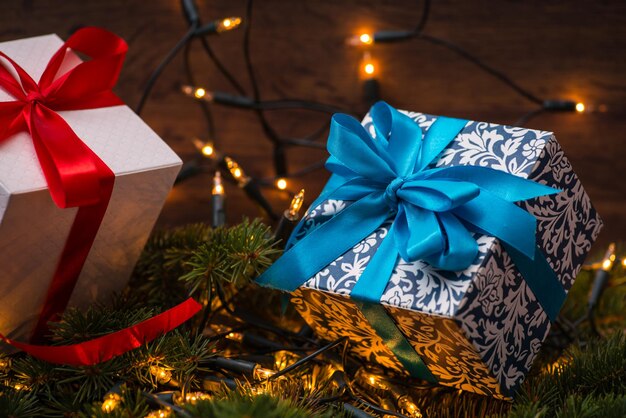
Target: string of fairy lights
<point>369,69</point>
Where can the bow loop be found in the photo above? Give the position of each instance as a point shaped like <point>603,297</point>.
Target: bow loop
<point>73,172</point>
<point>356,150</point>
<point>401,136</point>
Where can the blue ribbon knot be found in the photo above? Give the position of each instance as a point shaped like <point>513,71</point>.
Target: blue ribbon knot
<point>435,211</point>
<point>391,191</point>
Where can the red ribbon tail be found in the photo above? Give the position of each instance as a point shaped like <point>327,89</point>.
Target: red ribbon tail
<point>115,344</point>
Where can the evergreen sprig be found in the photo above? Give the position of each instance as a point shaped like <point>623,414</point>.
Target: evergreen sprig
<point>16,403</point>
<point>197,260</point>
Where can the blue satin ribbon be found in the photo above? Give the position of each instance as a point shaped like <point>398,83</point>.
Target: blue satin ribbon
<point>434,212</point>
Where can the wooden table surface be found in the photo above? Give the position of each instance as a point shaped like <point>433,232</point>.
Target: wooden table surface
<point>558,49</point>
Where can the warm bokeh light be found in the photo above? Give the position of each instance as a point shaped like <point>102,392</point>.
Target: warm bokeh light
<point>609,257</point>
<point>207,150</point>
<point>190,397</point>
<point>580,107</point>
<point>228,23</point>
<point>366,38</point>
<point>234,168</point>
<point>235,336</point>
<point>281,184</point>
<point>161,413</point>
<point>111,402</point>
<point>369,68</point>
<point>199,93</point>
<point>218,188</point>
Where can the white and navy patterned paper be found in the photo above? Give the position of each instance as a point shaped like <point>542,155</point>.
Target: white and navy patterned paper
<point>489,301</point>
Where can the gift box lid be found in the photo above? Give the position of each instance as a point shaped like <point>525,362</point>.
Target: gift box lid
<point>116,134</point>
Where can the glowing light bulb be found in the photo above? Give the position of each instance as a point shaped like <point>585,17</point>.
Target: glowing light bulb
<point>261,373</point>
<point>199,93</point>
<point>162,374</point>
<point>609,257</point>
<point>366,39</point>
<point>580,107</point>
<point>405,402</point>
<point>4,363</point>
<point>367,379</point>
<point>624,262</point>
<point>111,402</point>
<point>296,205</point>
<point>190,397</point>
<point>368,66</point>
<point>228,23</point>
<point>206,148</point>
<point>20,386</point>
<point>363,39</point>
<point>281,184</point>
<point>161,413</point>
<point>218,187</point>
<point>236,171</point>
<point>235,336</point>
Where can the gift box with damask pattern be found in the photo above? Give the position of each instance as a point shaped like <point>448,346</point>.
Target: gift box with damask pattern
<point>478,328</point>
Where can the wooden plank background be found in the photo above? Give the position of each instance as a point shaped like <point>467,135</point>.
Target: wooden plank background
<point>558,49</point>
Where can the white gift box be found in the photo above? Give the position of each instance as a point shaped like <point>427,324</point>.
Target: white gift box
<point>33,230</point>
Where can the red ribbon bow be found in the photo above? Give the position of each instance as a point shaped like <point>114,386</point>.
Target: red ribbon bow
<point>75,175</point>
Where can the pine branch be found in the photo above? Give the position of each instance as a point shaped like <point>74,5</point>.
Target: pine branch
<point>230,256</point>
<point>18,403</point>
<point>194,259</point>
<point>596,371</point>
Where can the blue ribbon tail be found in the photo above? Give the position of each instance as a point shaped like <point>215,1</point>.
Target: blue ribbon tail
<point>322,246</point>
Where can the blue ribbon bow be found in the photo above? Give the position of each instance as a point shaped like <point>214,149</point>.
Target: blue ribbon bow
<point>434,210</point>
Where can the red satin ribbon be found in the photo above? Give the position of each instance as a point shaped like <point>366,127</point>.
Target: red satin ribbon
<point>111,345</point>
<point>75,175</point>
